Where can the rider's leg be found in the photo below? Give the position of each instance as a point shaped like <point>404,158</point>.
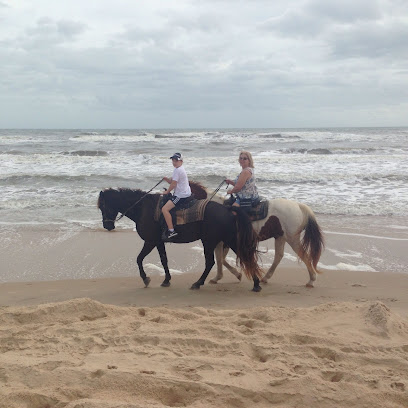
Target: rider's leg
<point>166,213</point>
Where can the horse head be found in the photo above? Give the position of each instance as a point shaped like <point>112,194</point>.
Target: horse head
<point>109,213</point>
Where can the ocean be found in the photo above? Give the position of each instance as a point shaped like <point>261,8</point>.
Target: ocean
<point>354,179</point>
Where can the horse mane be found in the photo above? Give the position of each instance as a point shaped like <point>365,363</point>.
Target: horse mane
<point>130,194</point>
<point>199,191</point>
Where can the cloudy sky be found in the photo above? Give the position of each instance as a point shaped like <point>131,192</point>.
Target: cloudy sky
<point>203,63</point>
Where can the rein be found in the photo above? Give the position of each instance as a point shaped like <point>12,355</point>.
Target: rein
<point>218,189</point>
<point>138,201</point>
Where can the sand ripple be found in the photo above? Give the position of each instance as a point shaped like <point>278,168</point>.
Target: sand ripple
<point>84,354</point>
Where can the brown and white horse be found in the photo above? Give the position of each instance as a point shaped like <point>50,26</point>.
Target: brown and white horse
<point>286,221</point>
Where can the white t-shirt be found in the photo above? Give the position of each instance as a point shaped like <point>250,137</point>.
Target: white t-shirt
<point>182,189</point>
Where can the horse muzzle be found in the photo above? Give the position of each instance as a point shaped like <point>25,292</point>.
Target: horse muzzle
<point>109,225</point>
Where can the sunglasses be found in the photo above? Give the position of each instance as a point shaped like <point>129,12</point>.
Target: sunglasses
<point>243,158</point>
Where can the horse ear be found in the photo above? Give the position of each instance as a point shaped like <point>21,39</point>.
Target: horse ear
<point>100,198</point>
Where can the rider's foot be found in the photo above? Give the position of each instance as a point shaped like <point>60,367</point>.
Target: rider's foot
<point>169,235</point>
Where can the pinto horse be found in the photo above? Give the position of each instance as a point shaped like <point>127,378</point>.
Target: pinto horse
<point>286,221</point>
<point>218,225</point>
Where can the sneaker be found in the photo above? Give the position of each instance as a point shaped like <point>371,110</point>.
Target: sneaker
<point>170,234</point>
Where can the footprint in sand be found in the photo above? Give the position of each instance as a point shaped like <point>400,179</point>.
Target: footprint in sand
<point>236,373</point>
<point>97,374</point>
<point>188,372</point>
<point>399,386</point>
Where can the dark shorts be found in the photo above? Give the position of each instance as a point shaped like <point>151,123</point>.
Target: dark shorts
<point>178,202</point>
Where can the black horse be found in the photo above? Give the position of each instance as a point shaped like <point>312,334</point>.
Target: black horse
<point>219,224</point>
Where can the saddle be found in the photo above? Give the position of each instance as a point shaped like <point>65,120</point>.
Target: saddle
<point>257,210</point>
<point>192,210</point>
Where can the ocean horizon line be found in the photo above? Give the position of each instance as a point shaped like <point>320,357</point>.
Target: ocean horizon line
<point>207,128</point>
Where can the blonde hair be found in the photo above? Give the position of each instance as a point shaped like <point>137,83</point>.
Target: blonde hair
<point>250,159</point>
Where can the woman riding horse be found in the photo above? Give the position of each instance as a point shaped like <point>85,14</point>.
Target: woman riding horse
<point>244,185</point>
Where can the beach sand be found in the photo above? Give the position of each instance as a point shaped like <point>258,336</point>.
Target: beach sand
<point>102,340</point>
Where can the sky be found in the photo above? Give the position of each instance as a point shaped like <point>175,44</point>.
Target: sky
<point>203,63</point>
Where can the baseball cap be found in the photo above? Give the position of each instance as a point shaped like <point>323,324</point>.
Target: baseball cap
<point>177,156</point>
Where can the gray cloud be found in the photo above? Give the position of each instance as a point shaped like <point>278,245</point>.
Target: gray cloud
<point>372,40</point>
<point>346,11</point>
<point>350,29</point>
<point>48,32</point>
<point>313,17</point>
<point>196,65</point>
<point>293,23</point>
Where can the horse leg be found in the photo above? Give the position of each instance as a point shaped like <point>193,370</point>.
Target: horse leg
<point>295,244</point>
<point>163,258</point>
<point>233,270</point>
<point>209,263</point>
<point>257,286</point>
<point>147,248</point>
<point>220,255</point>
<point>279,252</point>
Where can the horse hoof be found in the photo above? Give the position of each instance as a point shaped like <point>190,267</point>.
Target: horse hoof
<point>264,280</point>
<point>309,285</point>
<point>239,277</point>
<point>165,284</point>
<point>195,286</point>
<point>256,289</point>
<point>213,281</point>
<point>146,281</point>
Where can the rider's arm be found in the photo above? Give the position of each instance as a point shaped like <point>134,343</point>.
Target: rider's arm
<point>172,186</point>
<point>243,177</point>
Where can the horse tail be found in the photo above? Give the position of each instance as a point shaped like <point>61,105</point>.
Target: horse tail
<point>312,243</point>
<point>247,245</point>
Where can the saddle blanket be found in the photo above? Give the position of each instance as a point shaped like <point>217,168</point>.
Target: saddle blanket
<point>259,212</point>
<point>186,215</point>
<point>192,214</point>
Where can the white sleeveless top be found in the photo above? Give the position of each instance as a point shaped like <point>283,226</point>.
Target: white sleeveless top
<point>249,189</point>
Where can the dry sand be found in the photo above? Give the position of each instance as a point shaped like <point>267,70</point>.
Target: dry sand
<point>110,343</point>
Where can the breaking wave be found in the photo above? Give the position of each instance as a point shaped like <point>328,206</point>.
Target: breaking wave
<point>86,153</point>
